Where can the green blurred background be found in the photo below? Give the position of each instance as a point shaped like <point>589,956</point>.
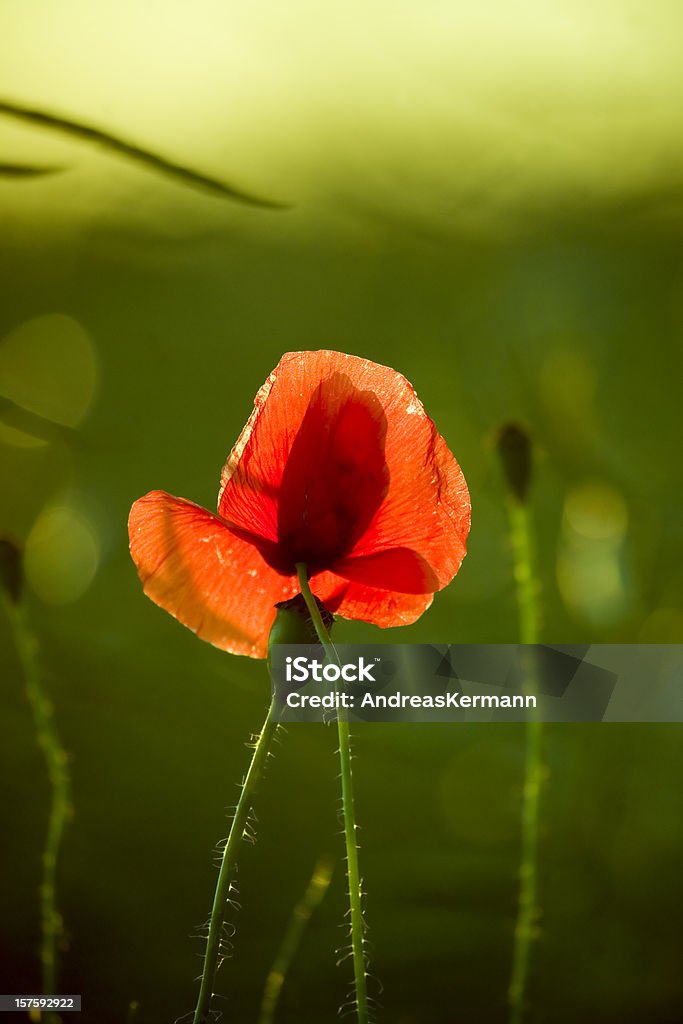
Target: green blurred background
<point>488,198</point>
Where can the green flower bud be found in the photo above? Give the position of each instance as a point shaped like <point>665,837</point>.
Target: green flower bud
<point>293,624</point>
<point>516,457</point>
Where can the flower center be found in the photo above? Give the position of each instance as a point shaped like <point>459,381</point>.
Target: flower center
<point>336,476</point>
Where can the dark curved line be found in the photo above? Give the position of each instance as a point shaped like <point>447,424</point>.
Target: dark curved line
<point>41,427</point>
<point>114,144</point>
<point>28,171</point>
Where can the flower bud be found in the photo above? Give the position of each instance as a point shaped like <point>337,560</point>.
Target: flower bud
<point>515,453</point>
<point>293,623</point>
<point>11,574</point>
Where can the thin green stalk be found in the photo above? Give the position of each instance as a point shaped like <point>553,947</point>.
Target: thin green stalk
<point>350,826</point>
<point>238,830</point>
<point>527,590</point>
<point>527,587</point>
<point>301,915</point>
<point>56,761</point>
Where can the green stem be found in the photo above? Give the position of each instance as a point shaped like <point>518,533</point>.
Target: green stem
<point>526,584</point>
<point>350,826</point>
<point>228,861</point>
<point>527,590</point>
<point>56,760</point>
<point>301,915</point>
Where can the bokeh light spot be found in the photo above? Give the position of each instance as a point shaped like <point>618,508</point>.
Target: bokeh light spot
<point>596,512</point>
<point>593,569</point>
<point>568,379</point>
<point>62,555</point>
<point>48,366</point>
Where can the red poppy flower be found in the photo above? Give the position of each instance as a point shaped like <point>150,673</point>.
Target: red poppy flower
<point>339,467</point>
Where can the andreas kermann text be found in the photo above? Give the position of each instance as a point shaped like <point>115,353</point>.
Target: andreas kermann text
<point>343,699</point>
<point>479,682</point>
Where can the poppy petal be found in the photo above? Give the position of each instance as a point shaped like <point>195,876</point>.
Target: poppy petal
<point>415,500</point>
<point>309,467</point>
<point>399,569</point>
<point>336,475</point>
<point>351,600</point>
<point>427,508</point>
<point>211,578</point>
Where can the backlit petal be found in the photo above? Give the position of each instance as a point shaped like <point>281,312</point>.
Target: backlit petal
<point>212,579</point>
<point>309,467</point>
<point>399,569</point>
<point>380,607</point>
<point>427,509</point>
<point>340,462</point>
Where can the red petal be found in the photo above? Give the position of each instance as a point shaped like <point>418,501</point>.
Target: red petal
<point>398,569</point>
<point>205,574</point>
<point>427,509</point>
<point>369,604</point>
<point>336,476</point>
<point>317,407</point>
<point>308,472</point>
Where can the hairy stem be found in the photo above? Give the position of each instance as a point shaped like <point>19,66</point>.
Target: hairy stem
<point>350,827</point>
<point>301,915</point>
<point>60,811</point>
<point>527,586</point>
<point>527,590</point>
<point>228,861</point>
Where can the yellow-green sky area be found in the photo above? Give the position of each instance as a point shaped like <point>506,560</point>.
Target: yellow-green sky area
<point>465,116</point>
